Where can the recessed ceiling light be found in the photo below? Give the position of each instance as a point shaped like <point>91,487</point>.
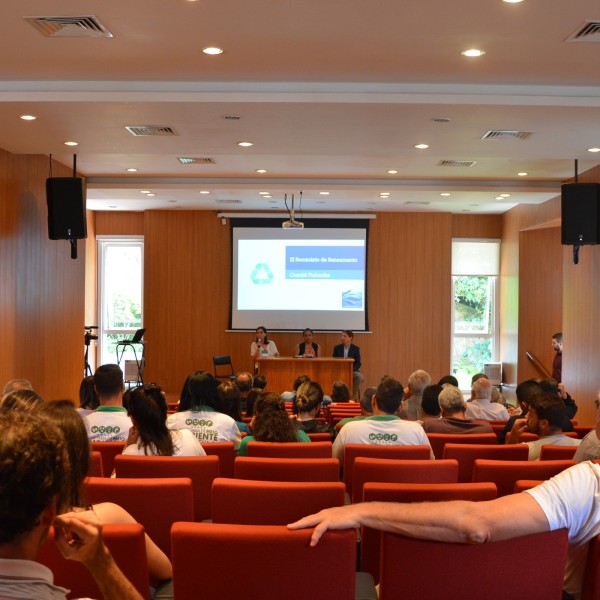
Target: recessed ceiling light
<point>71,143</point>
<point>150,195</point>
<point>204,192</point>
<point>28,117</point>
<point>261,170</point>
<point>505,195</point>
<point>522,174</point>
<point>512,1</point>
<point>473,52</point>
<point>267,196</point>
<point>245,144</point>
<point>392,171</point>
<point>212,50</point>
<point>421,146</point>
<point>324,193</point>
<point>144,191</point>
<point>445,194</point>
<point>593,149</point>
<point>384,194</point>
<point>264,193</point>
<point>499,198</point>
<point>132,170</point>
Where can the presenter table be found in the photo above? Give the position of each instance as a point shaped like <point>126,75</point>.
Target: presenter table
<point>281,371</point>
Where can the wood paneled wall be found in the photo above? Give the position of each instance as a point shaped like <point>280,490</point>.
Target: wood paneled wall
<point>42,300</point>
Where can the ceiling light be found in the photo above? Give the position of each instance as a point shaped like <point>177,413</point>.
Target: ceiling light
<point>472,52</point>
<point>421,146</point>
<point>505,195</point>
<point>261,170</point>
<point>71,144</point>
<point>212,50</point>
<point>267,196</point>
<point>150,195</point>
<point>264,193</point>
<point>445,194</point>
<point>522,174</point>
<point>144,191</point>
<point>392,171</point>
<point>245,144</point>
<point>324,193</point>
<point>593,149</point>
<point>512,1</point>
<point>384,194</point>
<point>132,170</point>
<point>499,198</point>
<point>28,117</point>
<point>204,192</point>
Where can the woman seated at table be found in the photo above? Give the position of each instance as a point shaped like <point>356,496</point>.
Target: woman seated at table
<point>262,346</point>
<point>271,423</point>
<point>309,398</point>
<point>308,348</point>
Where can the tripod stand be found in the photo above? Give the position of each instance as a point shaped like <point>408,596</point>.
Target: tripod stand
<point>87,338</point>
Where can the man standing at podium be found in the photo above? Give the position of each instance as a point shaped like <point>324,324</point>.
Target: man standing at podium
<point>349,350</point>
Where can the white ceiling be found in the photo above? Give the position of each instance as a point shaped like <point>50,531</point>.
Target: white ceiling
<point>332,94</point>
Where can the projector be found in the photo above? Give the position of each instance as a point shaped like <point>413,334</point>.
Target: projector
<point>293,224</point>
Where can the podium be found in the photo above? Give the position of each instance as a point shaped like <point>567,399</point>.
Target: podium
<point>282,370</point>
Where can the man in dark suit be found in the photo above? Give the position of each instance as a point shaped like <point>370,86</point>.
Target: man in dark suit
<point>349,350</point>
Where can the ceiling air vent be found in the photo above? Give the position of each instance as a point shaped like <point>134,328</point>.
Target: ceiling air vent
<point>88,26</point>
<point>415,203</point>
<point>188,160</point>
<point>226,201</point>
<point>500,134</point>
<point>139,130</point>
<point>588,32</point>
<point>456,163</point>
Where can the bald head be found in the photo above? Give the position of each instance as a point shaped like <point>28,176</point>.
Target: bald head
<point>481,390</point>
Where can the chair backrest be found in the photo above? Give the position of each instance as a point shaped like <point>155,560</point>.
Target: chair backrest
<point>126,543</point>
<point>352,451</point>
<point>249,502</point>
<point>370,545</point>
<point>290,449</point>
<point>108,450</point>
<point>401,471</point>
<point>526,484</point>
<point>466,454</point>
<point>439,440</point>
<point>202,470</point>
<point>95,469</point>
<point>504,473</point>
<point>287,469</point>
<point>319,437</point>
<point>226,454</point>
<point>552,452</point>
<point>527,436</point>
<point>408,565</point>
<point>590,589</point>
<point>223,367</point>
<point>271,556</point>
<point>582,430</point>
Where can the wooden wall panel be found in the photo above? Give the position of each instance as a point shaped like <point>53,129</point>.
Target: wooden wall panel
<point>119,223</point>
<point>477,226</point>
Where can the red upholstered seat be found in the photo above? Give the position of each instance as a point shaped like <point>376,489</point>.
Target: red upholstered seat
<point>319,437</point>
<point>290,449</point>
<point>551,452</point>
<point>226,454</point>
<point>439,440</point>
<point>96,469</point>
<point>287,469</point>
<point>590,589</point>
<point>526,484</point>
<point>108,450</point>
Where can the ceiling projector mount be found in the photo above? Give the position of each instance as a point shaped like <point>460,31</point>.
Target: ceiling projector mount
<point>292,223</point>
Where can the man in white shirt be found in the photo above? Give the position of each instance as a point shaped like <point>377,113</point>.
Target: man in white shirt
<point>481,406</point>
<point>109,422</point>
<point>384,427</point>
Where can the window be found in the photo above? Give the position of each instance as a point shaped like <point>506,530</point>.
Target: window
<point>475,267</point>
<point>120,294</point>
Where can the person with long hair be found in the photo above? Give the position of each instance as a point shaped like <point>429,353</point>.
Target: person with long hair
<point>62,413</point>
<point>230,403</point>
<point>340,392</point>
<point>309,397</point>
<point>21,400</point>
<point>149,435</point>
<point>88,396</point>
<point>271,423</point>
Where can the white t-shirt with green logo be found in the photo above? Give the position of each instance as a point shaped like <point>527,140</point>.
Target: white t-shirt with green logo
<point>108,424</point>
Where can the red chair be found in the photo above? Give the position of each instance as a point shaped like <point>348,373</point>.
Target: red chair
<point>551,452</point>
<point>319,437</point>
<point>155,503</point>
<point>401,471</point>
<point>412,568</point>
<point>504,473</point>
<point>108,450</point>
<point>287,469</point>
<point>248,502</point>
<point>466,454</point>
<point>271,556</point>
<point>582,430</point>
<point>571,434</point>
<point>526,484</point>
<point>352,451</point>
<point>527,436</point>
<point>202,470</point>
<point>96,469</point>
<point>290,449</point>
<point>590,589</point>
<point>127,545</point>
<point>226,454</point>
<point>412,492</point>
<point>439,440</point>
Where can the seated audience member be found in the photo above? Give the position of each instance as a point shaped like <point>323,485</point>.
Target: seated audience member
<point>308,348</point>
<point>478,376</point>
<point>384,427</point>
<point>542,508</point>
<point>448,379</point>
<point>199,411</point>
<point>16,384</point>
<point>417,382</point>
<point>553,387</point>
<point>347,349</point>
<point>291,396</point>
<point>20,400</point>
<point>453,419</point>
<point>589,449</point>
<point>430,404</point>
<point>309,398</point>
<point>244,382</point>
<point>88,397</point>
<point>481,406</point>
<point>544,418</point>
<point>230,404</point>
<point>149,436</point>
<point>63,415</point>
<point>271,423</point>
<point>340,392</point>
<point>260,381</point>
<point>109,422</point>
<point>366,408</point>
<point>34,474</point>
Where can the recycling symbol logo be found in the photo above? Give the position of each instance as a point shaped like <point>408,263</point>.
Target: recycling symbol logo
<point>261,274</point>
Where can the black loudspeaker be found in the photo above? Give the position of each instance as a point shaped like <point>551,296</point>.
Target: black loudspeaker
<point>580,204</point>
<point>66,208</point>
